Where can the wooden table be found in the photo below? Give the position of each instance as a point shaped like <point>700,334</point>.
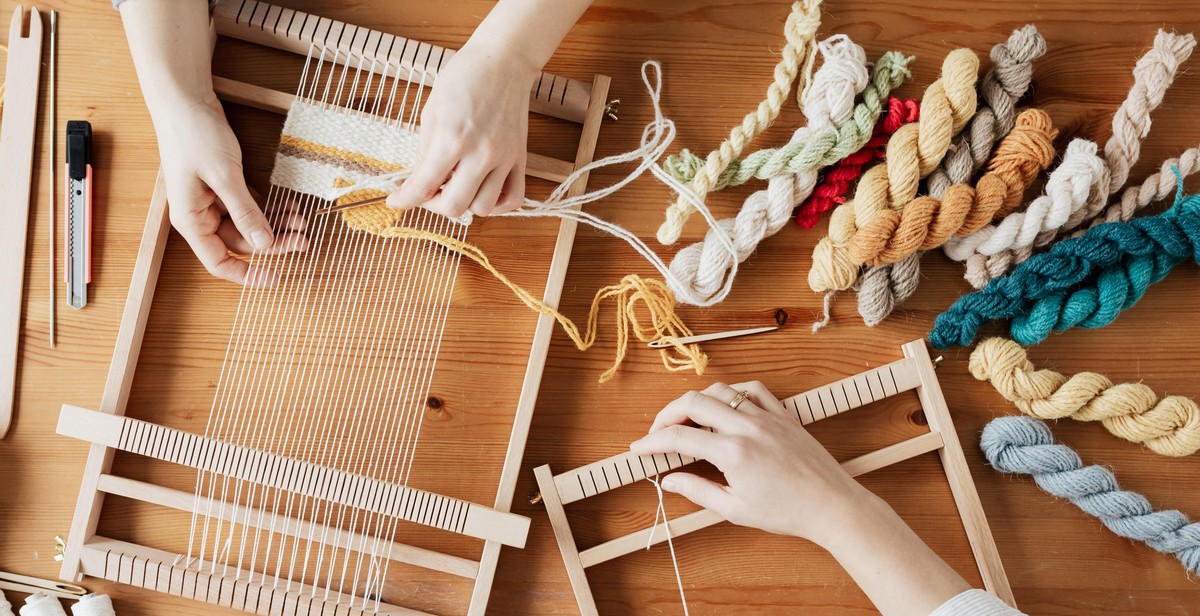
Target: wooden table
<point>717,57</point>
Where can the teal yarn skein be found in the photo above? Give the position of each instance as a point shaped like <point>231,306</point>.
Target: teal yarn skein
<point>1025,445</point>
<point>1085,281</point>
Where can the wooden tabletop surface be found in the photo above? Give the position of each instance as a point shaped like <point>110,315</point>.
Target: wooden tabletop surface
<point>717,57</point>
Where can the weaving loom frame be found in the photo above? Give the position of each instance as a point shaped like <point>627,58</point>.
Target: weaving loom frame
<point>914,372</point>
<point>89,554</point>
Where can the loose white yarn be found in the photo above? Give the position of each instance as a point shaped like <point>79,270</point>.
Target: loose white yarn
<point>706,270</point>
<point>661,512</point>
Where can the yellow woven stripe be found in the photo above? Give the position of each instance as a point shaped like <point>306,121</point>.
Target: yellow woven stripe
<point>339,153</point>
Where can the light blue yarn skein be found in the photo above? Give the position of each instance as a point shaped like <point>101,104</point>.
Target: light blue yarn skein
<point>1025,445</point>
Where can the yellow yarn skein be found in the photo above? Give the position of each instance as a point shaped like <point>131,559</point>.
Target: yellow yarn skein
<point>800,31</point>
<point>630,295</point>
<point>1132,411</point>
<point>913,152</point>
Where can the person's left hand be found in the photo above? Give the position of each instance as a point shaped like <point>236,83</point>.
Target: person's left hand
<point>474,129</point>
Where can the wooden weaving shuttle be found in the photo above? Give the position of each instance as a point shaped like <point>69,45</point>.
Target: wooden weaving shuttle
<point>914,372</point>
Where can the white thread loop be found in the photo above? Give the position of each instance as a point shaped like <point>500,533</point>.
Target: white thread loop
<point>661,512</point>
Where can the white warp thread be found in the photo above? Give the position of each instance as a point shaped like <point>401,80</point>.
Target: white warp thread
<point>707,267</point>
<point>1067,191</point>
<point>656,139</point>
<point>41,604</point>
<point>661,512</point>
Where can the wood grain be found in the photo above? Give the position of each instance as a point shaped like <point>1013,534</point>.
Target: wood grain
<point>717,56</point>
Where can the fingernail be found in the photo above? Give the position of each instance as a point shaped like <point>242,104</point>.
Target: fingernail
<point>260,239</point>
<point>393,201</point>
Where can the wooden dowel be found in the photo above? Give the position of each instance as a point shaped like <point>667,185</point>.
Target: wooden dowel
<point>962,486</point>
<point>297,32</point>
<point>704,518</point>
<point>294,476</point>
<point>276,523</point>
<point>266,99</point>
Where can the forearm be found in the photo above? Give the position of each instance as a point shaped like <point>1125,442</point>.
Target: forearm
<point>528,31</point>
<point>893,566</point>
<point>171,45</point>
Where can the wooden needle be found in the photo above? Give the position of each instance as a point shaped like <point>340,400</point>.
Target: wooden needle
<point>53,164</point>
<point>352,205</point>
<point>715,336</point>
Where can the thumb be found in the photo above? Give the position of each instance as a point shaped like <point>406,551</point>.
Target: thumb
<point>231,189</point>
<point>704,492</point>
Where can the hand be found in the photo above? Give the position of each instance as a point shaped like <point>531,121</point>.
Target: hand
<point>473,135</point>
<point>210,204</point>
<point>780,479</point>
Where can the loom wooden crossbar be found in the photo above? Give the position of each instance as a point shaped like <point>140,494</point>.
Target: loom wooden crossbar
<point>914,372</point>
<point>109,431</point>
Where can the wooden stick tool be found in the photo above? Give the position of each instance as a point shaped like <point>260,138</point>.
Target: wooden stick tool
<point>16,151</point>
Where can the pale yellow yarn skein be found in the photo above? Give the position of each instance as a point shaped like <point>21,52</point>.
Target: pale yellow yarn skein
<point>913,152</point>
<point>800,31</point>
<point>1132,411</point>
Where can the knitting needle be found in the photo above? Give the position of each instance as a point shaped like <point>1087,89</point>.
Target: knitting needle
<point>53,165</point>
<point>714,336</point>
<point>349,206</point>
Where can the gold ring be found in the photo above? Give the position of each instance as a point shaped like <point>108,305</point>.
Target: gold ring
<point>738,399</point>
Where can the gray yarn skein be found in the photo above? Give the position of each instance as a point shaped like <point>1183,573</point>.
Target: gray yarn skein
<point>1025,445</point>
<point>883,287</point>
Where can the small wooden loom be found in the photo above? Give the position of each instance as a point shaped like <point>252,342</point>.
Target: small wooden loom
<point>915,371</point>
<point>331,489</point>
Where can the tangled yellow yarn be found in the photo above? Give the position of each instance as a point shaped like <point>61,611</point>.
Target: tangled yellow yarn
<point>1132,411</point>
<point>913,152</point>
<point>800,31</point>
<point>632,295</point>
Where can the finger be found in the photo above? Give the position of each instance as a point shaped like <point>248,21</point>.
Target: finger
<point>230,187</point>
<point>426,181</point>
<point>287,242</point>
<point>762,397</point>
<point>704,492</point>
<point>684,440</point>
<point>197,222</point>
<point>512,195</point>
<point>458,194</point>
<point>707,408</point>
<point>488,196</point>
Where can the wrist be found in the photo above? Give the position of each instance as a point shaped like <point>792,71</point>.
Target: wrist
<point>850,513</point>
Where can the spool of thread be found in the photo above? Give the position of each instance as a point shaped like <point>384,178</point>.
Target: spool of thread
<point>5,606</point>
<point>41,604</point>
<point>94,605</point>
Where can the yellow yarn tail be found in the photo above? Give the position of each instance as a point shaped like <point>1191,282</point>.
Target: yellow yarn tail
<point>632,296</point>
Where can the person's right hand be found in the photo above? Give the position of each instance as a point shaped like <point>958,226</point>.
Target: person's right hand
<point>210,204</point>
<point>780,478</point>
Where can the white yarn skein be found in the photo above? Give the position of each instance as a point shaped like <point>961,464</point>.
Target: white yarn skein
<point>5,606</point>
<point>706,270</point>
<point>93,605</point>
<point>41,604</point>
<point>1067,191</point>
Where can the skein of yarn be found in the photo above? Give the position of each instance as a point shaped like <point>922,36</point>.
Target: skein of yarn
<point>1025,446</point>
<point>912,153</point>
<point>800,31</point>
<point>1153,75</point>
<point>41,604</point>
<point>5,606</point>
<point>1157,187</point>
<point>1119,259</point>
<point>926,222</point>
<point>883,287</point>
<point>706,268</point>
<point>93,605</point>
<point>1132,411</point>
<point>839,177</point>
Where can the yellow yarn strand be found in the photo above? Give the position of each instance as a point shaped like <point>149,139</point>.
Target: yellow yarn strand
<point>632,295</point>
<point>3,49</point>
<point>1169,426</point>
<point>913,152</point>
<point>797,58</point>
